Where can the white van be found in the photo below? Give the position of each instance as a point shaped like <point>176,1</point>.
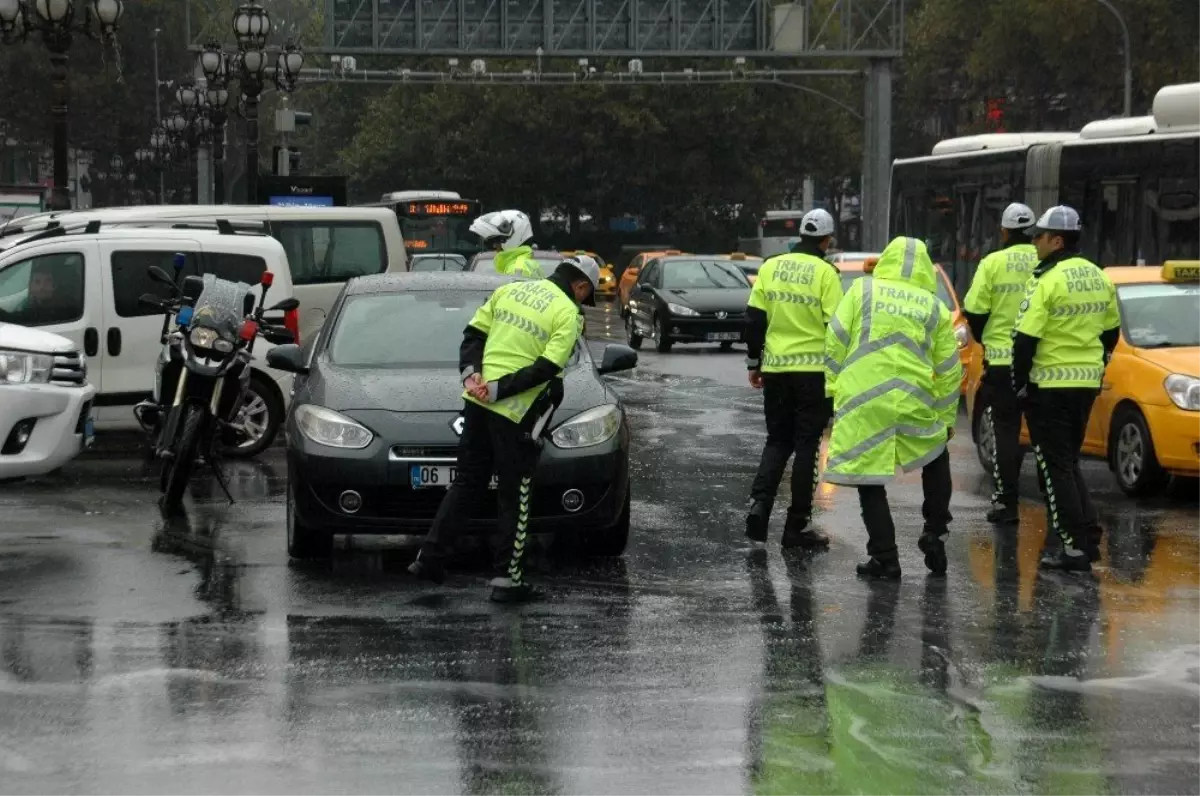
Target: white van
<point>326,246</point>
<point>85,286</point>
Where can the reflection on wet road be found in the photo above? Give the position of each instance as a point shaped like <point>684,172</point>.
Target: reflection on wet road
<point>139,654</point>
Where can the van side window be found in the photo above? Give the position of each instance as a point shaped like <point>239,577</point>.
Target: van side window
<point>130,278</point>
<point>323,252</point>
<point>43,291</point>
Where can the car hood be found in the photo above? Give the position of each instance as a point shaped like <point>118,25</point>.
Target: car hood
<point>709,299</point>
<point>22,338</point>
<point>349,390</point>
<point>1175,360</point>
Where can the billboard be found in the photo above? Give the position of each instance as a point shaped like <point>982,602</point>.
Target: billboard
<point>302,191</point>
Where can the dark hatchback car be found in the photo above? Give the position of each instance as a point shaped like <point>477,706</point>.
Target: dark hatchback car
<point>373,427</point>
<point>688,299</point>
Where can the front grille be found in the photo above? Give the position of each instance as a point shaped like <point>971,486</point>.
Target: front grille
<point>732,316</point>
<point>423,451</point>
<point>70,369</point>
<point>405,503</point>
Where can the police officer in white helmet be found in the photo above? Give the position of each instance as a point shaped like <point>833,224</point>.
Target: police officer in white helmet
<point>507,233</point>
<point>991,307</point>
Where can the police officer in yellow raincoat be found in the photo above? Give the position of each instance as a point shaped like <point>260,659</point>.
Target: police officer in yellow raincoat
<point>892,367</point>
<point>512,358</point>
<point>507,233</point>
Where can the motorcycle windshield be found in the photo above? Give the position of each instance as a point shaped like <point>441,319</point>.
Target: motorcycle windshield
<point>221,306</point>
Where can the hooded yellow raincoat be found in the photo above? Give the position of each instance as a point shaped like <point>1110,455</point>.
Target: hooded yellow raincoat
<point>892,367</point>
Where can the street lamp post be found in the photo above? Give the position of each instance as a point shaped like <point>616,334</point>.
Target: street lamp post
<point>215,66</point>
<point>252,25</point>
<point>56,21</point>
<point>1128,56</point>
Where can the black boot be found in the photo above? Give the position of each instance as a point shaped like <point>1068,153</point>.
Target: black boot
<point>874,568</point>
<point>797,533</point>
<point>1002,514</point>
<point>1067,559</point>
<point>934,547</point>
<point>757,521</point>
<point>505,591</point>
<point>427,570</point>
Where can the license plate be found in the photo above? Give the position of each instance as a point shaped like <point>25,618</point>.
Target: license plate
<point>434,476</point>
<point>724,336</point>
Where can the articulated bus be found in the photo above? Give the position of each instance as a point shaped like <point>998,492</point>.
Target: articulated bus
<point>776,234</point>
<point>1134,181</point>
<point>434,222</point>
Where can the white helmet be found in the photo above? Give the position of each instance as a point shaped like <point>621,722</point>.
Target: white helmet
<point>1059,218</point>
<point>510,226</point>
<point>1017,216</point>
<point>586,266</point>
<point>817,224</point>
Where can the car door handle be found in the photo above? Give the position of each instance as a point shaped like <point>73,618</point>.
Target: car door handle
<point>91,341</point>
<point>114,342</point>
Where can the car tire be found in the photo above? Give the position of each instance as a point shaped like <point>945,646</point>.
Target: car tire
<point>305,542</point>
<point>635,339</point>
<point>265,412</point>
<point>664,342</point>
<point>1132,456</point>
<point>985,440</point>
<point>611,542</point>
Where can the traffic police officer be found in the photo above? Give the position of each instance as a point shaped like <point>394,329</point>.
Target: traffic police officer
<point>791,302</point>
<point>512,357</point>
<point>893,369</point>
<point>507,232</point>
<point>991,307</point>
<point>1066,328</point>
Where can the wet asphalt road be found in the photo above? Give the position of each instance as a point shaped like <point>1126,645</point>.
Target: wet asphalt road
<point>140,655</point>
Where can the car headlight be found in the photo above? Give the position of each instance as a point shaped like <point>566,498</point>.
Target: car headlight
<point>327,427</point>
<point>962,334</point>
<point>679,309</point>
<point>593,427</point>
<point>1184,391</point>
<point>19,367</point>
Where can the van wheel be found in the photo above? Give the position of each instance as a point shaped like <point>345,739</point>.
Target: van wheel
<point>257,422</point>
<point>1132,454</point>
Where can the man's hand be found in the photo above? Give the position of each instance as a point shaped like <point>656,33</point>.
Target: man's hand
<point>477,387</point>
<point>756,379</point>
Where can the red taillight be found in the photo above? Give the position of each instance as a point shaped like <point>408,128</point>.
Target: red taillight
<point>291,322</point>
<point>248,331</point>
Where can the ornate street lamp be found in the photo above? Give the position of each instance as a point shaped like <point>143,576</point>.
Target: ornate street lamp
<point>288,66</point>
<point>215,65</point>
<point>252,26</point>
<point>58,21</point>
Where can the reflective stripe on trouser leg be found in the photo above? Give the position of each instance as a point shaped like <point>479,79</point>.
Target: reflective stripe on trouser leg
<point>996,479</point>
<point>514,566</point>
<point>1051,500</point>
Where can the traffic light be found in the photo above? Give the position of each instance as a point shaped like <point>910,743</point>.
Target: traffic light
<point>286,161</point>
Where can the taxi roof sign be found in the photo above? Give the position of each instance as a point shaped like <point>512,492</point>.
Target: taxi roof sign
<point>1181,271</point>
<point>737,256</point>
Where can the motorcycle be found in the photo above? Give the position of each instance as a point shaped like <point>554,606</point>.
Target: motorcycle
<point>213,351</point>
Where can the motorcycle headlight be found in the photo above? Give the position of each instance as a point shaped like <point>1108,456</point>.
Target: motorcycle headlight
<point>19,367</point>
<point>593,427</point>
<point>1184,391</point>
<point>962,335</point>
<point>679,309</point>
<point>203,337</point>
<point>327,427</point>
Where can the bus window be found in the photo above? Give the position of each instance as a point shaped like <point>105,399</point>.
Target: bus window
<point>1179,215</point>
<point>1117,228</point>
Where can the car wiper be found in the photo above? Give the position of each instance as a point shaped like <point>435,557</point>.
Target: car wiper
<point>1169,345</point>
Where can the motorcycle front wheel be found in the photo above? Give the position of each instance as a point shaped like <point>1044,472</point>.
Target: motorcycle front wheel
<point>178,469</point>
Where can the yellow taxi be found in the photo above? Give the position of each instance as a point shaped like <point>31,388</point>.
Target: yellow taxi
<point>1146,420</point>
<point>748,264</point>
<point>608,282</point>
<point>969,351</point>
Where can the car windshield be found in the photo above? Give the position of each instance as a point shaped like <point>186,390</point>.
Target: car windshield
<point>437,262</point>
<point>943,292</point>
<point>420,329</point>
<point>1160,315</point>
<point>696,274</point>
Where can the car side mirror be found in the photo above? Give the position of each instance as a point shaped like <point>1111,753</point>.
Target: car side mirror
<point>288,358</point>
<point>617,358</point>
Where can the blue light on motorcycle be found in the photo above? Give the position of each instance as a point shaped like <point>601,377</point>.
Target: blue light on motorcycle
<point>179,261</point>
<point>184,316</point>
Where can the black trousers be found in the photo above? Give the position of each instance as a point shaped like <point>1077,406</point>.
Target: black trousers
<point>877,515</point>
<point>797,412</point>
<point>489,444</point>
<point>1004,410</point>
<point>1057,421</point>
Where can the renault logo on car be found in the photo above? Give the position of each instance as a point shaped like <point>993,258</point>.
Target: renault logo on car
<point>722,315</point>
<point>458,424</point>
